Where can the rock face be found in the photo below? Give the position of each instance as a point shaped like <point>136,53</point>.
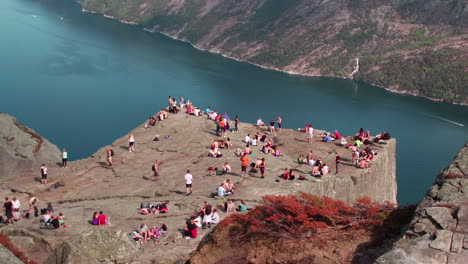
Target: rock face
<point>7,257</point>
<point>407,46</point>
<point>22,149</point>
<point>90,185</point>
<point>98,246</point>
<point>438,232</point>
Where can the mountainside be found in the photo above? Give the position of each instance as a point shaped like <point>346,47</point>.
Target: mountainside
<point>410,46</point>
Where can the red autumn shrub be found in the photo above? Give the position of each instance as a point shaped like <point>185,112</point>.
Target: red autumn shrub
<point>308,213</point>
<point>5,241</point>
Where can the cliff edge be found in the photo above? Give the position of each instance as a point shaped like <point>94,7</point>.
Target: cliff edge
<point>438,232</point>
<point>22,149</point>
<point>90,185</point>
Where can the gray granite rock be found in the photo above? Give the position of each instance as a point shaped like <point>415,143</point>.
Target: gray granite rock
<point>457,243</point>
<point>443,240</point>
<point>442,216</point>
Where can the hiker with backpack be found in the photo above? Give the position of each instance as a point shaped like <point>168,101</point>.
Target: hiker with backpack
<point>110,154</point>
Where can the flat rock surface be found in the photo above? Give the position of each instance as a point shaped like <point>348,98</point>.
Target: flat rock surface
<point>90,185</point>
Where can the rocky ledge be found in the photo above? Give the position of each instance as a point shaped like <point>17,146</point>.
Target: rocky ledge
<point>438,232</point>
<point>90,185</point>
<point>22,149</point>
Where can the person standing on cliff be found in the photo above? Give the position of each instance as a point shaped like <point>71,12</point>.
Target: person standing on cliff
<point>64,158</point>
<point>280,123</point>
<point>155,169</point>
<point>244,164</point>
<point>131,143</point>
<point>110,154</point>
<point>272,128</point>
<point>44,174</point>
<point>337,162</point>
<point>188,182</point>
<point>236,124</point>
<point>310,133</point>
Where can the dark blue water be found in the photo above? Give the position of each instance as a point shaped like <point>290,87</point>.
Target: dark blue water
<point>82,81</point>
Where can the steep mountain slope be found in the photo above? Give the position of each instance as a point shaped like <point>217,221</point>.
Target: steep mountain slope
<point>411,46</point>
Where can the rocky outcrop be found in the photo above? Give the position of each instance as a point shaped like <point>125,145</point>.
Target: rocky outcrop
<point>407,46</point>
<point>7,257</point>
<point>438,232</point>
<point>182,144</point>
<point>98,246</point>
<point>21,148</point>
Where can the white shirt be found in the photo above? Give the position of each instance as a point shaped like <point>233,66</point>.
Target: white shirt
<point>311,131</point>
<point>188,178</point>
<point>215,218</point>
<point>197,112</point>
<point>46,218</point>
<point>16,204</point>
<point>259,122</point>
<point>247,139</point>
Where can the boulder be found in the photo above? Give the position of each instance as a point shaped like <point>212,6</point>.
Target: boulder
<point>443,241</point>
<point>442,216</point>
<point>96,246</point>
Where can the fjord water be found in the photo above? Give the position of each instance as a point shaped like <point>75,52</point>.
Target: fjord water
<point>82,80</point>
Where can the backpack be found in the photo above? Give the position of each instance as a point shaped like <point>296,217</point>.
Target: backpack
<point>112,153</point>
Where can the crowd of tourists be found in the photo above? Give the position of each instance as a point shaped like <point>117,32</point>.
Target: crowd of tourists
<point>262,141</point>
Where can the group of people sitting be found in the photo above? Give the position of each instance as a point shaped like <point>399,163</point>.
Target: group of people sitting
<point>52,221</point>
<point>226,188</point>
<point>268,147</point>
<point>149,208</point>
<point>205,217</point>
<point>319,168</point>
<point>99,219</point>
<point>215,145</point>
<point>329,137</point>
<point>144,234</point>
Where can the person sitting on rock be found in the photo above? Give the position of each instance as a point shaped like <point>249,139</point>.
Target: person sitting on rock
<point>102,219</point>
<point>291,175</point>
<point>363,163</point>
<point>226,168</point>
<point>260,122</point>
<point>190,230</point>
<point>222,192</point>
<point>151,123</point>
<point>301,159</point>
<point>230,207</point>
<point>214,217</point>
<point>247,139</point>
<point>162,228</point>
<point>46,217</point>
<point>215,153</point>
<point>316,170</point>
<point>239,152</point>
<point>143,230</point>
<point>61,219</point>
<point>229,186</point>
<point>324,170</point>
<point>285,174</point>
<point>247,150</point>
<point>95,219</point>
<point>135,235</point>
<point>337,135</point>
<point>154,233</point>
<point>144,211</point>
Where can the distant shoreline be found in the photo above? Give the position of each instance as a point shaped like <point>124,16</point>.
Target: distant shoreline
<point>405,92</point>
